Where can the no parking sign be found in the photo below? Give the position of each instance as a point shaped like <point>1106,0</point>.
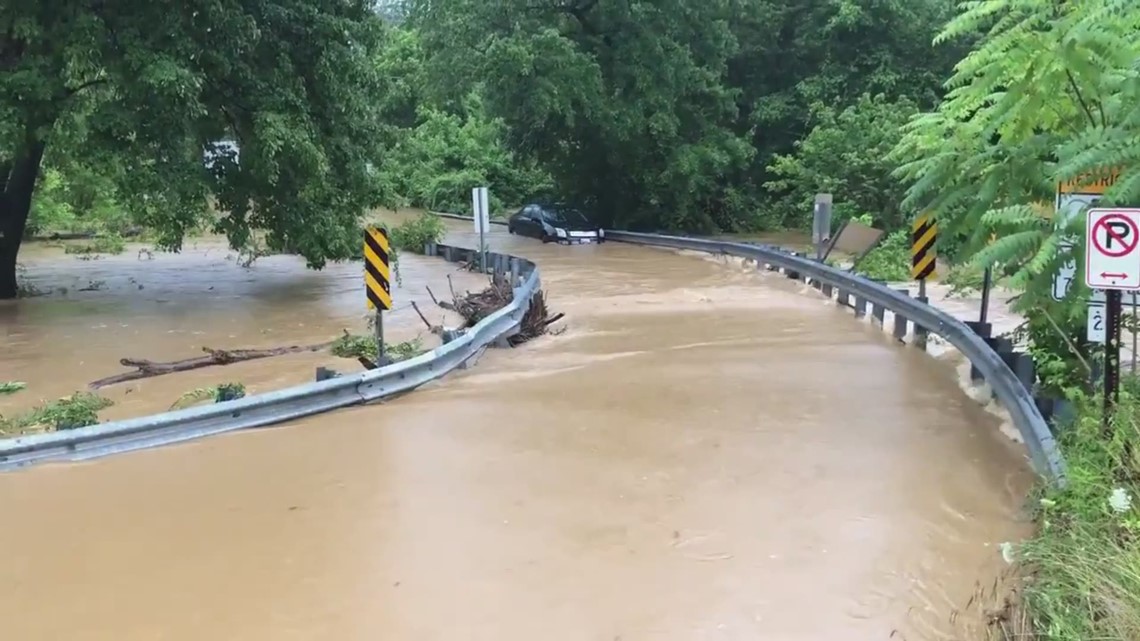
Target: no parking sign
<point>1112,258</point>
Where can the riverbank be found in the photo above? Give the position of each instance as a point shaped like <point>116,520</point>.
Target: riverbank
<point>1080,572</point>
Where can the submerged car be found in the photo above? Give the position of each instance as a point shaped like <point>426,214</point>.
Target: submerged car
<point>555,224</point>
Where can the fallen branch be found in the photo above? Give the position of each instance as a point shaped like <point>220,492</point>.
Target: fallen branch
<point>475,306</point>
<point>147,369</point>
<point>434,329</point>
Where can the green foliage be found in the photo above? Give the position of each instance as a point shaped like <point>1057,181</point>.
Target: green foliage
<point>146,94</point>
<point>666,114</point>
<point>1048,94</point>
<point>434,153</point>
<point>435,164</point>
<point>11,387</point>
<point>413,235</point>
<point>70,412</point>
<point>964,279</point>
<point>845,154</point>
<point>1084,558</point>
<point>75,199</point>
<point>889,260</point>
<point>357,345</point>
<point>218,393</point>
<point>112,244</point>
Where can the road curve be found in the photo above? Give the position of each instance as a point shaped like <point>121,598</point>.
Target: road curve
<point>707,452</point>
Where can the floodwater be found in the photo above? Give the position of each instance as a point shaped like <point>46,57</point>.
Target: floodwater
<point>167,307</point>
<point>705,453</point>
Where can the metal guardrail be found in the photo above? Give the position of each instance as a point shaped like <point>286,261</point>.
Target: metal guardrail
<point>1006,386</point>
<point>296,402</point>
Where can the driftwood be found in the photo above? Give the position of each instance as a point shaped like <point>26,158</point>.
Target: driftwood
<point>475,306</point>
<point>128,233</point>
<point>146,368</point>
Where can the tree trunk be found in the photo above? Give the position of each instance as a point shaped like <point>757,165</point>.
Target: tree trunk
<point>15,203</point>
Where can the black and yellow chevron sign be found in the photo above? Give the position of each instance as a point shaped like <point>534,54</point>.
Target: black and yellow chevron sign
<point>376,273</point>
<point>923,235</point>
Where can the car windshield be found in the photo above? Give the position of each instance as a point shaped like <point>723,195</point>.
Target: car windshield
<point>567,217</point>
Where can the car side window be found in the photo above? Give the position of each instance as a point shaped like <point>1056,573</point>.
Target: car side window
<point>532,212</point>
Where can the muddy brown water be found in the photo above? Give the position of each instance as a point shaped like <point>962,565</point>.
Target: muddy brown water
<point>169,306</point>
<point>707,452</point>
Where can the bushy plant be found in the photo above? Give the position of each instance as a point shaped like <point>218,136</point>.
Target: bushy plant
<point>413,235</point>
<point>889,260</point>
<point>70,412</point>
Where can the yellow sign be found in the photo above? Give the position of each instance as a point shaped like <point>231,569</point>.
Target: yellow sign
<point>376,273</point>
<point>1089,184</point>
<point>923,235</point>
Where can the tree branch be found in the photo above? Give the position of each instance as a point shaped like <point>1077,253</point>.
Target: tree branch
<point>71,91</point>
<point>1080,98</point>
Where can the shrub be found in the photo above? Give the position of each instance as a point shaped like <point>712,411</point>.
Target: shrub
<point>70,412</point>
<point>415,234</point>
<point>890,260</point>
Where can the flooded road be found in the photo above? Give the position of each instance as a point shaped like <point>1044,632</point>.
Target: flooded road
<point>706,453</point>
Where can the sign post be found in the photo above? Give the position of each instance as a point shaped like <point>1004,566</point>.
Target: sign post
<point>987,285</point>
<point>821,224</point>
<point>482,216</point>
<point>378,291</point>
<point>1112,263</point>
<point>923,236</point>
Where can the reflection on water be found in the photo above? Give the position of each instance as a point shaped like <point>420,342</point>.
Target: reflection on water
<point>707,452</point>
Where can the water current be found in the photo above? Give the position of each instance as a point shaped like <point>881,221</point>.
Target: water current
<point>706,452</point>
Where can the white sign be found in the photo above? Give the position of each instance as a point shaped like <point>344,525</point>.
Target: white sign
<point>1064,277</point>
<point>1112,260</point>
<point>1096,333</point>
<point>1126,298</point>
<point>1069,206</point>
<point>481,210</point>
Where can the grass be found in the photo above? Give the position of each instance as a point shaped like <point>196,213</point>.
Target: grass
<point>1081,570</point>
<point>70,412</point>
<point>218,394</point>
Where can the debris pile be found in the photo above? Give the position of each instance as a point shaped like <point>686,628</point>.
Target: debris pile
<point>475,306</point>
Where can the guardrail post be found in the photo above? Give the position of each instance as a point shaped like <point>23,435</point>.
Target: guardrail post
<point>843,298</point>
<point>900,320</point>
<point>430,249</point>
<point>920,333</point>
<point>1021,364</point>
<point>1000,344</point>
<point>860,306</point>
<point>826,289</point>
<point>985,330</point>
<point>878,312</point>
<point>514,272</point>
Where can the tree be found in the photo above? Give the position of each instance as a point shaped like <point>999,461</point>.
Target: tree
<point>149,90</point>
<point>1049,94</point>
<point>623,103</point>
<point>666,114</point>
<point>846,154</point>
